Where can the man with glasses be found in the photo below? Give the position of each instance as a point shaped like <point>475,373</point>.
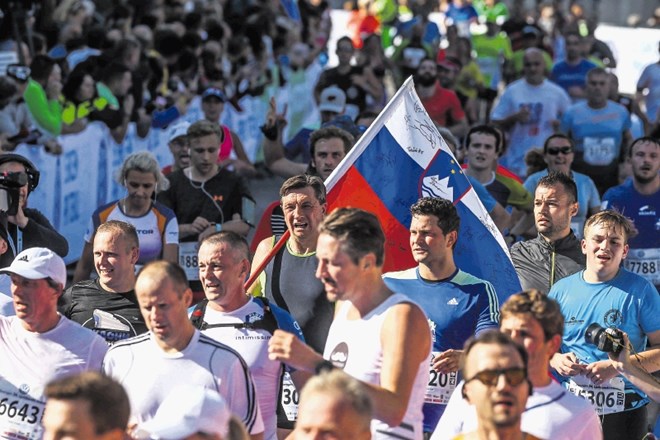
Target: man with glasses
<point>535,323</point>
<point>555,253</point>
<point>496,384</point>
<point>558,154</point>
<point>529,111</point>
<point>601,131</point>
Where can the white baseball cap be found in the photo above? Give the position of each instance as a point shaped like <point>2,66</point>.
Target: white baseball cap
<point>37,263</point>
<point>333,99</point>
<point>185,411</point>
<point>177,130</point>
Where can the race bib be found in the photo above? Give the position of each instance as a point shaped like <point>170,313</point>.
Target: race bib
<point>599,151</point>
<point>289,398</point>
<point>20,415</point>
<point>606,399</point>
<point>188,259</point>
<point>440,386</point>
<point>645,263</point>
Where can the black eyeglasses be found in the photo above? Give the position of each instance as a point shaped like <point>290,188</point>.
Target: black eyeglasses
<point>562,150</point>
<point>514,376</point>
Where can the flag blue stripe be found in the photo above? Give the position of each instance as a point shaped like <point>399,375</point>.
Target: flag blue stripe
<point>396,179</point>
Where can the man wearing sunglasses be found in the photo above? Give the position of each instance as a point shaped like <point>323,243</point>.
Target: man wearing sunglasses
<point>496,384</point>
<point>535,323</point>
<point>555,253</point>
<point>558,154</point>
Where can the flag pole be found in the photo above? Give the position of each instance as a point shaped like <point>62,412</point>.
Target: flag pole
<point>254,275</point>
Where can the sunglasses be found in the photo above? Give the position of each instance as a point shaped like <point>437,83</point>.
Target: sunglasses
<point>514,376</point>
<point>562,150</point>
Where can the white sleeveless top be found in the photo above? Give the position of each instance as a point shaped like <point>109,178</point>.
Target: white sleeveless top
<point>354,346</point>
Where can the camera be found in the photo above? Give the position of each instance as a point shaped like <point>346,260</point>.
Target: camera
<point>10,184</point>
<point>609,340</point>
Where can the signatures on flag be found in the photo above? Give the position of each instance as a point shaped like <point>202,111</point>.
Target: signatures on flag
<point>426,129</point>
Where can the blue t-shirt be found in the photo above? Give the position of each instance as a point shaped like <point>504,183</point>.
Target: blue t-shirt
<point>644,254</point>
<point>457,308</point>
<point>587,196</point>
<point>643,210</point>
<point>597,134</point>
<point>627,302</point>
<point>567,76</point>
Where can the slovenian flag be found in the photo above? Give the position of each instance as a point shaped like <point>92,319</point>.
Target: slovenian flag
<point>402,157</point>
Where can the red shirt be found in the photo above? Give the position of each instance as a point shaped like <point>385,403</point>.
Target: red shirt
<point>443,106</point>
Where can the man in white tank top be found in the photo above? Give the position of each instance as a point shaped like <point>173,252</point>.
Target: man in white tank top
<point>378,337</point>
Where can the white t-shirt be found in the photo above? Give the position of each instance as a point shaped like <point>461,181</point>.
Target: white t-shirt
<point>29,361</point>
<point>546,102</point>
<point>355,346</point>
<point>551,413</point>
<point>148,374</point>
<point>252,344</point>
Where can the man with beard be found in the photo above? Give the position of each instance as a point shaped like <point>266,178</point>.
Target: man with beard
<point>441,104</point>
<point>556,252</point>
<point>639,199</point>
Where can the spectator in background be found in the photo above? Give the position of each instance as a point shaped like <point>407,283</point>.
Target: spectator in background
<point>28,227</point>
<point>80,100</point>
<point>114,87</point>
<point>558,154</point>
<point>42,95</point>
<point>441,104</point>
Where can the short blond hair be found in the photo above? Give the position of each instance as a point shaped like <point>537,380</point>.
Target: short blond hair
<point>612,219</point>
